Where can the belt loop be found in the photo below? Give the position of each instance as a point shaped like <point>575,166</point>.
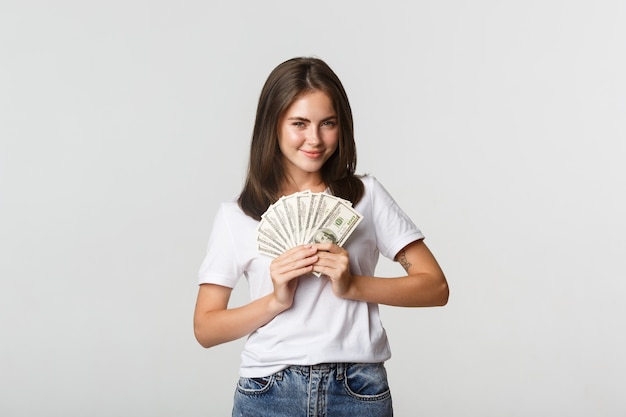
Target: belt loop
<point>278,375</point>
<point>341,371</point>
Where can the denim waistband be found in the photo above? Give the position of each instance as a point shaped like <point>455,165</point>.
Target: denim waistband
<point>320,390</point>
<point>338,367</point>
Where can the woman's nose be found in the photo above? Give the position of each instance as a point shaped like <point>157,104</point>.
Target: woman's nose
<point>313,135</point>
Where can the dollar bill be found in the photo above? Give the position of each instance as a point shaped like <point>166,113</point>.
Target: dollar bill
<point>303,202</point>
<point>323,205</point>
<point>337,226</point>
<point>268,248</point>
<point>290,208</point>
<point>305,217</point>
<point>271,227</point>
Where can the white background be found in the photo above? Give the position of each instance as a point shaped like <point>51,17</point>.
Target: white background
<point>498,126</point>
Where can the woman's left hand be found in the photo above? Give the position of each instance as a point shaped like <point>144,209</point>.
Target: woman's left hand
<point>334,262</point>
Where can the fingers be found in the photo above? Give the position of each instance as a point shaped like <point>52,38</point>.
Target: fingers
<point>330,251</point>
<point>286,268</point>
<point>326,258</point>
<point>329,247</point>
<point>333,260</point>
<point>334,263</point>
<point>293,263</point>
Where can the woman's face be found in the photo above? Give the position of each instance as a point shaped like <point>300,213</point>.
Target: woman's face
<point>308,133</point>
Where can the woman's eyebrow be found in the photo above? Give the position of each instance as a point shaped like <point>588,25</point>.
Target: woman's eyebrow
<point>304,119</point>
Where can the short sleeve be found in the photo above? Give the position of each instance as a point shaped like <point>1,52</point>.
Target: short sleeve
<point>394,228</point>
<point>220,265</point>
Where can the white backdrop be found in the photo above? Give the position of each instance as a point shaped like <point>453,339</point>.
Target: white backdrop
<point>498,126</point>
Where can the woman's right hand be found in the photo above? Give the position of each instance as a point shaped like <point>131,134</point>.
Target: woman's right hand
<point>215,323</point>
<point>286,268</point>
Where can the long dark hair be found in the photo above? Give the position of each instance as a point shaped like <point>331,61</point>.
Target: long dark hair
<point>287,82</point>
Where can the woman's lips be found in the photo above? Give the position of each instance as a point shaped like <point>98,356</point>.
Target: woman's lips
<point>312,154</point>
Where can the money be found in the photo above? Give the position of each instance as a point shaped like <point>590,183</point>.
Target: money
<point>305,217</point>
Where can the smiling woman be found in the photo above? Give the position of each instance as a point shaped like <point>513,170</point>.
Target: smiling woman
<point>284,92</point>
<point>303,140</point>
<point>307,137</point>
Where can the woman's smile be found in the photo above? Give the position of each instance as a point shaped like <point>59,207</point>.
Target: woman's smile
<point>312,154</point>
<point>308,134</point>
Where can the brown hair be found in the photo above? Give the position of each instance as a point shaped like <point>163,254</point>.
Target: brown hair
<point>284,85</point>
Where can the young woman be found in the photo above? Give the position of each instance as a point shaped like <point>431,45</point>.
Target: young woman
<point>316,345</point>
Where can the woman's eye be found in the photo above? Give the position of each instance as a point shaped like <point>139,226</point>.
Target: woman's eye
<point>329,123</point>
<point>298,124</point>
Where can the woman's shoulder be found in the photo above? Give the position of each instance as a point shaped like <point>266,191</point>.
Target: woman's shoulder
<point>369,181</point>
<point>231,217</point>
<point>366,178</point>
<point>230,207</point>
<point>375,191</point>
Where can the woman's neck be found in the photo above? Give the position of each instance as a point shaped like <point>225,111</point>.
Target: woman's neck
<point>313,184</point>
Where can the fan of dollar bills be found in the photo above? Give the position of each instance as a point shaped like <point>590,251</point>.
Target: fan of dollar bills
<point>305,217</point>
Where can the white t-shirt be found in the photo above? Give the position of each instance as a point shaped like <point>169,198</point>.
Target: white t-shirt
<point>319,327</point>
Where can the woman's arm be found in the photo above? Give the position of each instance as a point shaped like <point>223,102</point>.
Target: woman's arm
<point>424,286</point>
<point>215,323</point>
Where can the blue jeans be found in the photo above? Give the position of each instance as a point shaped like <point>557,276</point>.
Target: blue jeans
<point>325,390</point>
